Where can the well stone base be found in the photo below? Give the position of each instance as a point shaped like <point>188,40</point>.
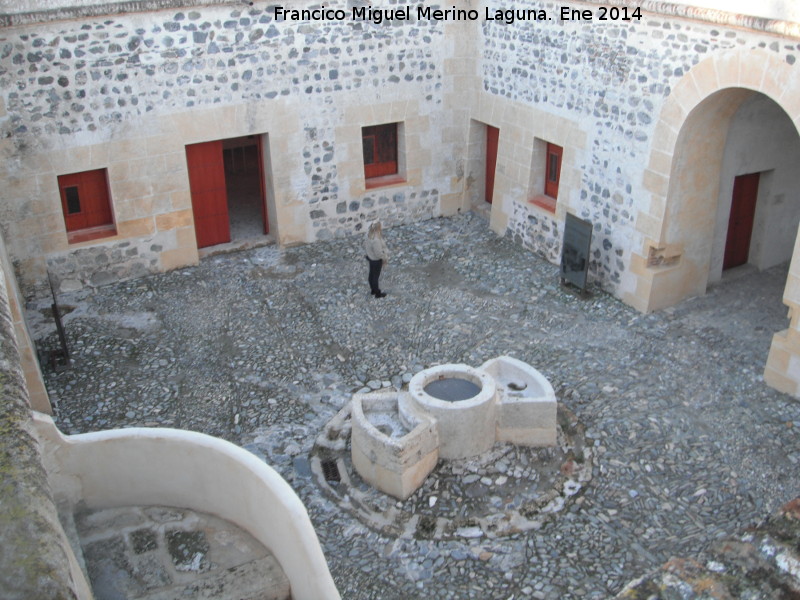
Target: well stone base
<point>398,437</point>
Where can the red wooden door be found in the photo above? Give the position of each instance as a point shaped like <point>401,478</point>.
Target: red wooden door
<point>209,198</point>
<point>740,225</point>
<point>553,170</point>
<point>85,199</point>
<point>492,138</point>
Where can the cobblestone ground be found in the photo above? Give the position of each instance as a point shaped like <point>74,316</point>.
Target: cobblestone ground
<point>263,347</point>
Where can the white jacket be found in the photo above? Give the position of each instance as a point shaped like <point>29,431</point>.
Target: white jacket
<point>375,248</point>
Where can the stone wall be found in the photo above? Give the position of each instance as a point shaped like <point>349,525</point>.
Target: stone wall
<point>126,92</point>
<point>34,561</point>
<point>610,79</point>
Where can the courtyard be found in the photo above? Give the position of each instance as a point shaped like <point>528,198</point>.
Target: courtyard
<point>263,347</point>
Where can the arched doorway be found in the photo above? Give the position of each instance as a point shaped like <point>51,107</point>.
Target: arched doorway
<point>734,189</point>
<point>758,207</point>
<point>730,116</point>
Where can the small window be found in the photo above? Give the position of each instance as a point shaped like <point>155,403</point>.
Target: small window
<point>553,170</point>
<point>380,150</point>
<point>73,200</point>
<point>86,205</point>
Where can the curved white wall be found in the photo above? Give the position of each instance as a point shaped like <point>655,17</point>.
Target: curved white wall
<point>140,467</point>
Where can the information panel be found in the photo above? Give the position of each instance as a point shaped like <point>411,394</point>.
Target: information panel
<point>575,252</point>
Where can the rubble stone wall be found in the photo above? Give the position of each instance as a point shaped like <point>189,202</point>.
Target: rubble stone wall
<point>127,91</point>
<point>610,78</point>
<point>126,86</point>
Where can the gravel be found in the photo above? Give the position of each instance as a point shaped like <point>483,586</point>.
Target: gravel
<point>263,347</point>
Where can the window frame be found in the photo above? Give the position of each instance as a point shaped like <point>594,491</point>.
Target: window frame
<point>86,205</point>
<point>381,145</point>
<point>552,171</point>
<point>545,175</point>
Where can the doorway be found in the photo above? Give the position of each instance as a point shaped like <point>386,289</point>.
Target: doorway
<point>245,186</point>
<point>227,184</point>
<point>492,138</point>
<point>740,224</point>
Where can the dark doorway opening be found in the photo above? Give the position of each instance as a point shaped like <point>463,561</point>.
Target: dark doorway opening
<point>244,181</point>
<point>228,190</point>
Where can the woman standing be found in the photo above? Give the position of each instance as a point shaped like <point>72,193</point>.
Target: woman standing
<point>377,252</point>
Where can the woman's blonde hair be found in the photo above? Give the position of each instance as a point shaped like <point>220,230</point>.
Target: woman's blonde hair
<point>375,229</point>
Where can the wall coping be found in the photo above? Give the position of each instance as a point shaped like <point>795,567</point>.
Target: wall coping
<point>85,8</point>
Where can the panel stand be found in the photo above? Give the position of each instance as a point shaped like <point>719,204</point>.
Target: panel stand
<point>575,255</point>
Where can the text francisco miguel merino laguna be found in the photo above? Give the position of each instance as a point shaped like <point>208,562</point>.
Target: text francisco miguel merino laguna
<point>506,16</point>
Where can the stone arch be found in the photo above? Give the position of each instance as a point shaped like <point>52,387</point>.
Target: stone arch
<point>682,178</point>
<point>710,92</point>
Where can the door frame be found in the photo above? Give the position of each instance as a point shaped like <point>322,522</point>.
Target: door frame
<point>741,220</point>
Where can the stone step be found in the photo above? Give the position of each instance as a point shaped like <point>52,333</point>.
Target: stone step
<point>261,579</point>
<point>760,564</point>
<point>161,553</point>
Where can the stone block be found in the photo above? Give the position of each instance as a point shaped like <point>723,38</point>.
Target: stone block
<point>181,199</point>
<point>185,237</point>
<point>779,381</point>
<point>665,136</point>
<point>136,227</point>
<point>181,257</point>
<point>792,290</point>
<point>175,220</point>
<point>77,159</point>
<point>779,355</point>
<point>100,154</point>
<point>660,163</point>
<point>751,72</point>
<point>126,149</point>
<point>704,75</point>
<point>526,407</point>
<point>656,183</point>
<point>130,190</point>
<point>727,67</point>
<point>648,225</point>
<point>452,204</point>
<point>393,456</point>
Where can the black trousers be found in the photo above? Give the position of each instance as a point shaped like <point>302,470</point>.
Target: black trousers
<point>375,267</point>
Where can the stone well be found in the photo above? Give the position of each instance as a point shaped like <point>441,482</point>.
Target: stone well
<point>450,411</point>
<point>466,423</point>
<point>526,407</point>
<point>392,454</point>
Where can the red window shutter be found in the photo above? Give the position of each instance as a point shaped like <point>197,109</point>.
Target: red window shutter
<point>85,199</point>
<point>553,170</point>
<point>98,208</point>
<point>380,150</point>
